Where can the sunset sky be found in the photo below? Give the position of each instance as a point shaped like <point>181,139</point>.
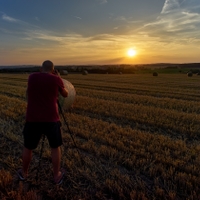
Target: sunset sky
<point>73,32</point>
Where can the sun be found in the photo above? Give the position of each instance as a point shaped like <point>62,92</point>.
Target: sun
<point>131,52</point>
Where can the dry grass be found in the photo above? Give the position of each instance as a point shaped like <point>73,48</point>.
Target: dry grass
<point>138,138</point>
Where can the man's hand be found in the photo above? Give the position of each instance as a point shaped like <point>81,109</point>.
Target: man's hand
<point>56,72</point>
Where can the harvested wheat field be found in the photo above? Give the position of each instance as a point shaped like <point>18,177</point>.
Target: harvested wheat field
<point>137,135</point>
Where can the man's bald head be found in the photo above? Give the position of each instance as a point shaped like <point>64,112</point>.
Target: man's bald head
<point>47,66</point>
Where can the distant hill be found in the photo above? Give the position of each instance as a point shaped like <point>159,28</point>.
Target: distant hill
<point>110,69</point>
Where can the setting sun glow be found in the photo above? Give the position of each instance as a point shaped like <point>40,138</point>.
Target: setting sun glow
<point>131,52</point>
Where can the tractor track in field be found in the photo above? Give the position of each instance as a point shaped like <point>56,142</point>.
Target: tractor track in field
<point>147,127</point>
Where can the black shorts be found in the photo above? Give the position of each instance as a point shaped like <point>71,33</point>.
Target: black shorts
<point>33,131</point>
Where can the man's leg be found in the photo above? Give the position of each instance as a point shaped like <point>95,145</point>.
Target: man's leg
<point>26,157</point>
<point>56,159</point>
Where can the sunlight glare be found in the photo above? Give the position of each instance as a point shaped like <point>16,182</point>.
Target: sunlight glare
<point>131,52</point>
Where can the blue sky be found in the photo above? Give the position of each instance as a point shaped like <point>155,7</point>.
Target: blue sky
<point>99,31</point>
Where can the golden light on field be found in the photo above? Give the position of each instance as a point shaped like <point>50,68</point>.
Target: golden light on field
<point>131,52</point>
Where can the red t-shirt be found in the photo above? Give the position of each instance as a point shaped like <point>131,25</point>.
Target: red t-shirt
<point>43,90</point>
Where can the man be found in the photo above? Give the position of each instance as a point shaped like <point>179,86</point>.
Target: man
<point>42,117</point>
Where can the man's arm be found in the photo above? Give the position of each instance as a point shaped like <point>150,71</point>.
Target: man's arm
<point>64,92</point>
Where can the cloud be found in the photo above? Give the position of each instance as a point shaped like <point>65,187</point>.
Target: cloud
<point>8,18</point>
<point>21,28</point>
<point>77,17</point>
<point>102,37</point>
<point>176,5</point>
<point>29,31</point>
<point>5,31</point>
<point>170,5</point>
<point>37,19</point>
<point>127,20</point>
<point>103,1</point>
<point>39,34</point>
<point>18,21</point>
<point>121,18</point>
<point>178,19</point>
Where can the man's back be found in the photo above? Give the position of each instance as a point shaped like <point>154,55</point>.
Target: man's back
<point>42,91</point>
